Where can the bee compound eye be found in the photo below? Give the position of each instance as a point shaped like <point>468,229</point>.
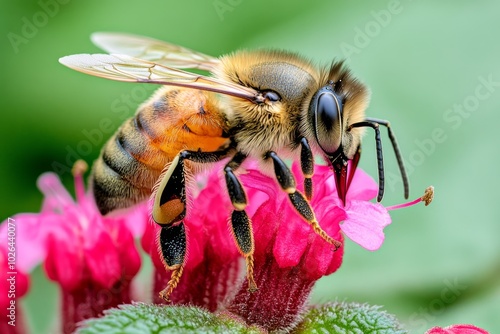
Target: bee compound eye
<point>326,118</point>
<point>328,111</point>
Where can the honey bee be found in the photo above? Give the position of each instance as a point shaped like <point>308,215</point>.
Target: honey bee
<point>263,104</point>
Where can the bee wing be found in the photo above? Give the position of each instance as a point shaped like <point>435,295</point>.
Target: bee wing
<point>130,69</point>
<point>153,50</point>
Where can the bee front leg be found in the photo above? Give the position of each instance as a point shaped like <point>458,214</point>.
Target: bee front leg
<point>240,223</point>
<point>169,210</point>
<point>287,182</point>
<point>307,166</point>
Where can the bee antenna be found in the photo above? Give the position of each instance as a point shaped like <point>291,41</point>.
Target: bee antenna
<point>374,124</point>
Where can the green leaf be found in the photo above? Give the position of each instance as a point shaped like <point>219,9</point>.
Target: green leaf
<point>349,318</point>
<point>144,318</point>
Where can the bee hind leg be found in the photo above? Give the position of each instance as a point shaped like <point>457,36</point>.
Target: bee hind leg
<point>173,250</point>
<point>169,210</point>
<point>287,182</point>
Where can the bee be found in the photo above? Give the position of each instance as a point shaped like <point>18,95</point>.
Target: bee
<point>266,105</point>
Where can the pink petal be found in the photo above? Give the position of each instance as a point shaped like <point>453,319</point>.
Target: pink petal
<point>256,199</point>
<point>56,197</point>
<point>149,242</point>
<point>292,238</point>
<point>362,188</point>
<point>329,215</point>
<point>207,225</point>
<point>65,262</point>
<point>102,259</point>
<point>138,219</point>
<point>457,329</point>
<point>264,225</point>
<point>29,237</point>
<point>365,224</point>
<point>255,180</point>
<point>130,260</point>
<point>135,218</point>
<point>320,255</point>
<point>195,245</point>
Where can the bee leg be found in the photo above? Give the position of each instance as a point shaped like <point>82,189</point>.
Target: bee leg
<point>287,182</point>
<point>240,223</point>
<point>170,199</point>
<point>242,232</point>
<point>307,166</point>
<point>169,210</point>
<point>172,242</point>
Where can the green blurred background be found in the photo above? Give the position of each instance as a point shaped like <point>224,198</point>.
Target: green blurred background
<point>433,68</point>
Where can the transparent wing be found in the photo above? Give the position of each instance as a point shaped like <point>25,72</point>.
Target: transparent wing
<point>130,69</point>
<point>153,50</point>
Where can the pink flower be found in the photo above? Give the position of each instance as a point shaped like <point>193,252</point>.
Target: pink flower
<point>289,257</point>
<point>457,329</point>
<point>93,258</point>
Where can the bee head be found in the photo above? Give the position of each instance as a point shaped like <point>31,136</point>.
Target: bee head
<point>340,102</point>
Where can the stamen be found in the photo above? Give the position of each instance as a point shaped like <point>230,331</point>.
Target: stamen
<point>79,168</point>
<point>426,198</point>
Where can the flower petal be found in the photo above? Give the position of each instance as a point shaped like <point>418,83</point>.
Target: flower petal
<point>320,258</point>
<point>135,219</point>
<point>207,224</point>
<point>130,259</point>
<point>65,261</point>
<point>29,238</point>
<point>292,238</point>
<point>56,197</point>
<point>149,243</point>
<point>365,224</point>
<point>102,259</point>
<point>457,329</point>
<point>362,188</point>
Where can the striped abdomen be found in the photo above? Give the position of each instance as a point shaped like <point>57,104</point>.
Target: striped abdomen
<point>131,162</point>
